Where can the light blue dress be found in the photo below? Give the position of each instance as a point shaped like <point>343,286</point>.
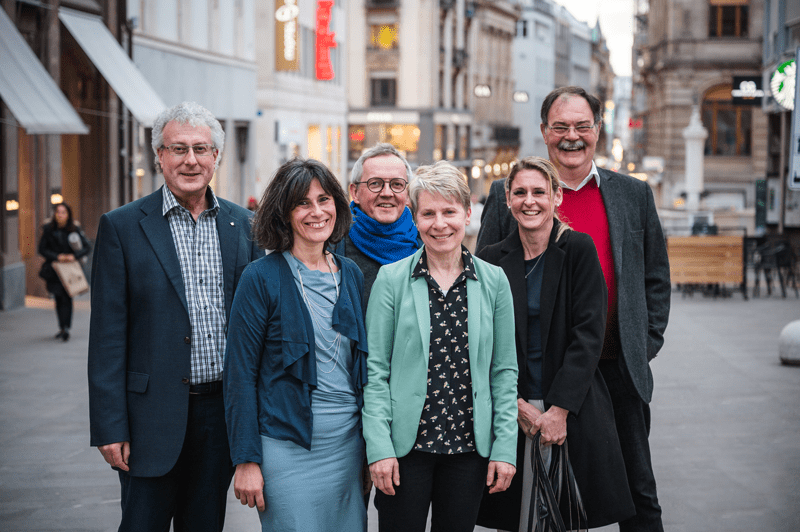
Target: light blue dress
<point>319,490</point>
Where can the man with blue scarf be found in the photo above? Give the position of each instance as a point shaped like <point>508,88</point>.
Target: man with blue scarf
<point>383,229</point>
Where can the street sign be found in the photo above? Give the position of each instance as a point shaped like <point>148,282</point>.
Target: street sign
<point>794,157</point>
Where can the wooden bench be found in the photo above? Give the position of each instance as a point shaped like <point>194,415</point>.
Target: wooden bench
<point>711,261</point>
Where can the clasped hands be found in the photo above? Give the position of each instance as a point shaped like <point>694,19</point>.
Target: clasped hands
<point>551,424</point>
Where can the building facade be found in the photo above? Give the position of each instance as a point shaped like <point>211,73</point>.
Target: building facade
<point>194,50</point>
<point>69,96</point>
<point>454,104</point>
<point>691,54</point>
<point>553,49</point>
<point>302,105</point>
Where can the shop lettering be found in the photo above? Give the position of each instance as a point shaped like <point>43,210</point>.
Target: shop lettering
<point>326,40</point>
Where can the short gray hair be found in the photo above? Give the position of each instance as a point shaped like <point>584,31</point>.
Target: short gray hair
<point>382,148</point>
<point>440,178</point>
<point>193,114</point>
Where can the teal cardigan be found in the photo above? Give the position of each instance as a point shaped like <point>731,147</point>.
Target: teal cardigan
<point>398,336</point>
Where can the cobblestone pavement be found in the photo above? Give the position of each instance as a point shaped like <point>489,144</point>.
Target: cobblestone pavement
<point>725,437</point>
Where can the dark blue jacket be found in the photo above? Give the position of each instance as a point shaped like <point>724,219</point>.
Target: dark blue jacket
<point>140,333</point>
<point>270,364</point>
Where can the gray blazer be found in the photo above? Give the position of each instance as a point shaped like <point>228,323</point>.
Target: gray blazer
<point>641,267</point>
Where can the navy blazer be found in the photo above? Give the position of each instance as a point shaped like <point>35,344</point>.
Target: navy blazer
<point>641,267</point>
<point>140,333</point>
<point>271,363</point>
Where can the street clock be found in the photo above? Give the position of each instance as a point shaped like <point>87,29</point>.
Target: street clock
<point>782,84</point>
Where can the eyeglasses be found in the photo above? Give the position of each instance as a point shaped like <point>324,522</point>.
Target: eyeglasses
<point>200,150</point>
<point>563,130</point>
<point>376,184</point>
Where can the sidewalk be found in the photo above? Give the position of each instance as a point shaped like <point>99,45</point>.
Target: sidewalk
<point>725,437</point>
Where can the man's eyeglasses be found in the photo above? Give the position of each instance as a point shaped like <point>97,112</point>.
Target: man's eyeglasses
<point>563,130</point>
<point>200,150</point>
<point>376,184</point>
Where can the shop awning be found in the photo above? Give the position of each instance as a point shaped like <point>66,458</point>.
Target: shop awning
<point>29,91</point>
<point>114,64</point>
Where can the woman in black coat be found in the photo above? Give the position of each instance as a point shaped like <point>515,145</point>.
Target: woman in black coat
<point>560,305</point>
<point>55,246</point>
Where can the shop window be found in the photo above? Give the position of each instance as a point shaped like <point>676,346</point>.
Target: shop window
<point>728,18</point>
<point>730,127</point>
<point>383,36</point>
<point>383,92</point>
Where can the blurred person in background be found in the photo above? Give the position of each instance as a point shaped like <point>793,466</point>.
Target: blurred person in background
<point>440,404</point>
<point>62,241</point>
<point>296,362</point>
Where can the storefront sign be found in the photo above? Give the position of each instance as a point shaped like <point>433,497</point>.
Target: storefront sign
<point>326,40</point>
<point>747,90</point>
<point>286,35</point>
<point>794,145</point>
<point>782,84</point>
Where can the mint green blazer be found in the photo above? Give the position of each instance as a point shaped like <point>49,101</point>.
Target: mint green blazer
<point>398,336</point>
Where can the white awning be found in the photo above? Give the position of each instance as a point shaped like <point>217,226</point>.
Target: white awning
<point>114,64</point>
<point>29,91</point>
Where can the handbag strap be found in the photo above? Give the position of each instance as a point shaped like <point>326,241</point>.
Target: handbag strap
<point>543,515</point>
<point>564,485</point>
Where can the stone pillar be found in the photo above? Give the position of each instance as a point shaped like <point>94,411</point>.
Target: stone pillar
<point>695,136</point>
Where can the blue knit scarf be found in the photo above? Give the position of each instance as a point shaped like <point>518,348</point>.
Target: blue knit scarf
<point>384,243</point>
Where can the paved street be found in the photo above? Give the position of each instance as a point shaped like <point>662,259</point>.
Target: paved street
<point>725,438</point>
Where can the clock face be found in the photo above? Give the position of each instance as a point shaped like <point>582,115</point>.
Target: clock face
<point>782,84</point>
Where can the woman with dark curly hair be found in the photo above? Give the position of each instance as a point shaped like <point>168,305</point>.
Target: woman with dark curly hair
<point>296,361</point>
<point>56,245</point>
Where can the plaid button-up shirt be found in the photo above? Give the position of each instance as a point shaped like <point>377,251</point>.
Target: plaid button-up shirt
<point>197,244</point>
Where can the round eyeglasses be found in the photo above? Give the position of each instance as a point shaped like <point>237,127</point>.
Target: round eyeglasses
<point>376,184</point>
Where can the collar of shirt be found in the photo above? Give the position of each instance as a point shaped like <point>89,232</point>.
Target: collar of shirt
<point>421,269</point>
<point>593,173</point>
<point>171,202</point>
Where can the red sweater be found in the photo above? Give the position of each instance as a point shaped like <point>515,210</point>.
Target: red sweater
<point>584,211</point>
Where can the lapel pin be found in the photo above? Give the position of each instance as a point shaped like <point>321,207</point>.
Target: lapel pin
<point>232,223</point>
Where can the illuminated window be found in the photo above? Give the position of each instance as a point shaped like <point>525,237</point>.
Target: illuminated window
<point>383,92</point>
<point>314,143</point>
<point>728,18</point>
<point>383,36</point>
<point>730,127</point>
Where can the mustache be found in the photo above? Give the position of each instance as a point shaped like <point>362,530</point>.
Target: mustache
<point>571,146</point>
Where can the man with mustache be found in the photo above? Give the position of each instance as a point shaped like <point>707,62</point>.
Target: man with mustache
<point>383,230</point>
<point>619,213</point>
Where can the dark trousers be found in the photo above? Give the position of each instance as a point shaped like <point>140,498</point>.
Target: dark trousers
<point>632,416</point>
<point>194,492</point>
<point>63,304</point>
<point>452,484</point>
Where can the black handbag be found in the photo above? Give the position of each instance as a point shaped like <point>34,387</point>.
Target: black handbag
<point>552,488</point>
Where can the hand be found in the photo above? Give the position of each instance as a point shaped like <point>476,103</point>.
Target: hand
<point>66,257</point>
<point>385,474</point>
<point>499,476</point>
<point>117,454</point>
<point>248,485</point>
<point>527,414</point>
<point>366,480</point>
<point>553,425</point>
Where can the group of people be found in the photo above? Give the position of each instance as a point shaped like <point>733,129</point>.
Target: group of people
<point>368,345</point>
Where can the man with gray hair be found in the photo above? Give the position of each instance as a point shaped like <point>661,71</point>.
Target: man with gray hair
<point>165,270</point>
<point>383,229</point>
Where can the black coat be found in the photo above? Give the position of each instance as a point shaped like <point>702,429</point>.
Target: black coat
<point>573,316</point>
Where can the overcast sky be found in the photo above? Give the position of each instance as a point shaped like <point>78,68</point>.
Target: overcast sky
<point>616,21</point>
